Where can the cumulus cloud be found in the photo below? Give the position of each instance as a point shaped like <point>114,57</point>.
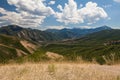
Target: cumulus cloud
<point>22,19</point>
<point>92,13</point>
<point>71,14</point>
<point>117,1</point>
<point>51,3</point>
<point>36,7</point>
<point>30,13</point>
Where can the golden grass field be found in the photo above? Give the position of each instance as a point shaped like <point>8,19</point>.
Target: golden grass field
<point>59,71</point>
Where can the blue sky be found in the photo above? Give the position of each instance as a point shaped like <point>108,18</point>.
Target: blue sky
<point>58,14</point>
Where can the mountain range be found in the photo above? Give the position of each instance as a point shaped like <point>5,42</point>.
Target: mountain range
<point>27,33</point>
<point>76,32</point>
<point>49,34</point>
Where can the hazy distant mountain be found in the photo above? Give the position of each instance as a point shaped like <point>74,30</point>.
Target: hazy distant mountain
<point>76,32</point>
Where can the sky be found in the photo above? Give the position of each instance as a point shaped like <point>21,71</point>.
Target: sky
<point>58,14</point>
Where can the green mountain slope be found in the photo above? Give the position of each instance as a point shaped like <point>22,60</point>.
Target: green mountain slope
<point>90,47</point>
<point>11,48</point>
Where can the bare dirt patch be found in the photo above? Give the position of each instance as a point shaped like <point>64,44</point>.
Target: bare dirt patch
<point>29,46</point>
<point>54,56</point>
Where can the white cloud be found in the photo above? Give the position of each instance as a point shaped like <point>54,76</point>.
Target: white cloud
<point>71,14</point>
<point>117,1</point>
<point>55,27</point>
<point>51,3</point>
<point>22,19</point>
<point>30,13</point>
<point>60,7</point>
<point>36,7</point>
<point>84,27</point>
<point>68,27</point>
<point>81,5</point>
<point>92,13</point>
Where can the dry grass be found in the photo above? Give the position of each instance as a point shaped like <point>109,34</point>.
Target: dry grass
<point>59,71</point>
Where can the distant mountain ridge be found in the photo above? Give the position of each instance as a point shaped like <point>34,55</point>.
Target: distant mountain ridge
<point>76,32</point>
<point>27,33</point>
<point>47,35</point>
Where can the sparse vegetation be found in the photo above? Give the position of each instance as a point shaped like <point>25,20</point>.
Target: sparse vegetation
<point>59,71</point>
<point>87,53</point>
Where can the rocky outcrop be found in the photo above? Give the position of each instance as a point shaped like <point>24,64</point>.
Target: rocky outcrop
<point>28,34</point>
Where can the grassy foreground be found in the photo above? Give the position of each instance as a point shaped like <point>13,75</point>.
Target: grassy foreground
<point>59,71</point>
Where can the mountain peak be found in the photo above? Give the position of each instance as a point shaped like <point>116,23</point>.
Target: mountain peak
<point>105,27</point>
<point>12,27</point>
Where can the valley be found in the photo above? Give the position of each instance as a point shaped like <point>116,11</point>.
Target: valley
<point>33,45</point>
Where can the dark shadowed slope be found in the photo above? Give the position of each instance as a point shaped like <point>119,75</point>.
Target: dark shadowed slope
<point>28,34</point>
